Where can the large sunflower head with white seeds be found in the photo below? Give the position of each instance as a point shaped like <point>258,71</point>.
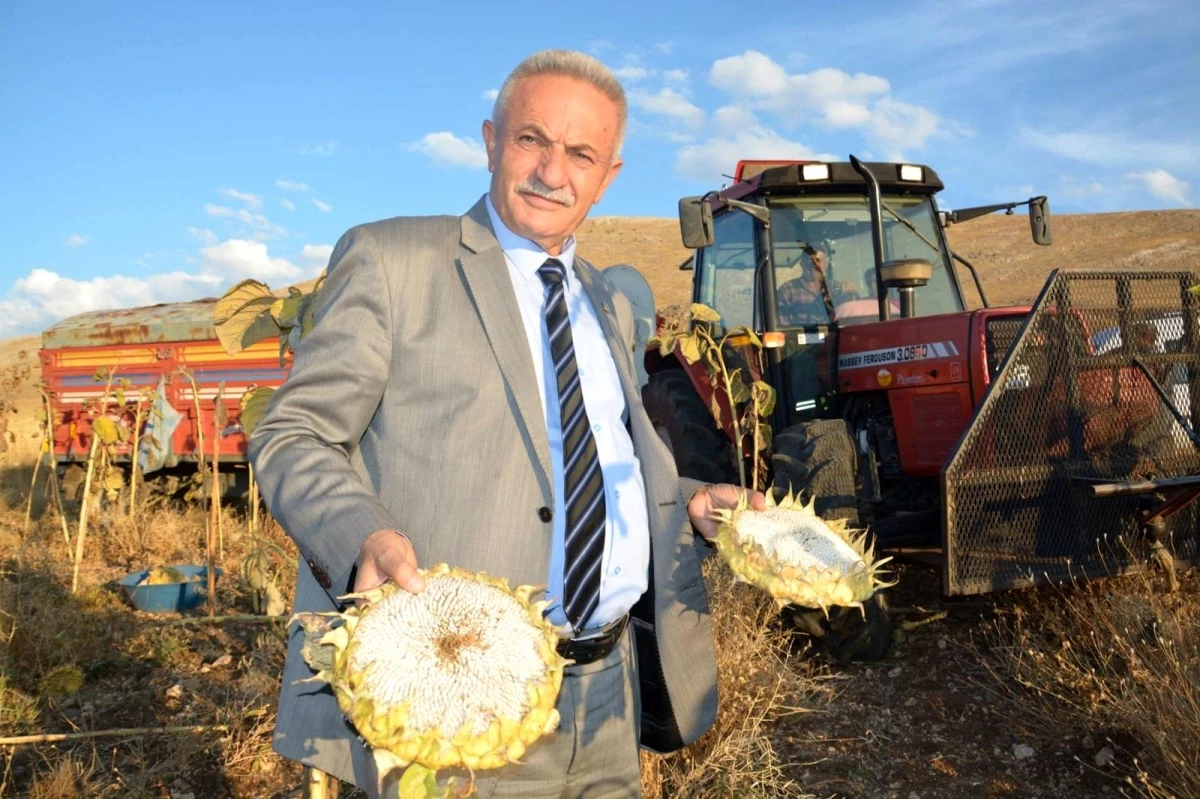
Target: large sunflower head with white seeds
<point>465,673</point>
<point>796,556</point>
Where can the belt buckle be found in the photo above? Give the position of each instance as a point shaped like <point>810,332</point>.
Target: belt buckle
<point>593,647</point>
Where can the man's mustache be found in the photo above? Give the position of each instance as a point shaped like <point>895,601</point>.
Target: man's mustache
<point>531,185</point>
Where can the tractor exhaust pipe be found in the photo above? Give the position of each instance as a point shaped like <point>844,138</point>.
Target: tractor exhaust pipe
<point>875,203</point>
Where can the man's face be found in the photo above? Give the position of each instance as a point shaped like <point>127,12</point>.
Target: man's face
<point>551,157</point>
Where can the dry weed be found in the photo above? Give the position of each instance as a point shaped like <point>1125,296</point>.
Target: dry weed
<point>1119,658</point>
<point>736,757</point>
<point>66,778</point>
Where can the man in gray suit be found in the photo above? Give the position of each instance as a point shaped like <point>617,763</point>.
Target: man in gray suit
<point>468,395</point>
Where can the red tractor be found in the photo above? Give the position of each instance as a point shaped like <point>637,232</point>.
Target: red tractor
<point>993,433</point>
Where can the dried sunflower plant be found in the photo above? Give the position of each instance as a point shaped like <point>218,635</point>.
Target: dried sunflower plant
<point>749,401</point>
<point>250,312</point>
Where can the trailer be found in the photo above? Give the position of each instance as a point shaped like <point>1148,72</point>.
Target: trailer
<point>170,369</point>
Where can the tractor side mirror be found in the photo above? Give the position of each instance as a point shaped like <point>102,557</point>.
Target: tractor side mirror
<point>1039,221</point>
<point>696,222</point>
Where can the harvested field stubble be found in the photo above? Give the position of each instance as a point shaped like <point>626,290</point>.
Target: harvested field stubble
<point>757,684</point>
<point>1120,659</point>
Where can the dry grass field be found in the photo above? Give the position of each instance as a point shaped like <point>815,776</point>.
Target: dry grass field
<point>1056,692</point>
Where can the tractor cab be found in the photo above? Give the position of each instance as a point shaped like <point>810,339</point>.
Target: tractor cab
<point>803,250</point>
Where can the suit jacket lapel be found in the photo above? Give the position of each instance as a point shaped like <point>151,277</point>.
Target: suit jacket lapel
<point>606,313</point>
<point>486,274</point>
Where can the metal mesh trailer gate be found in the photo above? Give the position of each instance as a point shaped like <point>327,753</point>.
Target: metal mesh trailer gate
<point>1074,404</point>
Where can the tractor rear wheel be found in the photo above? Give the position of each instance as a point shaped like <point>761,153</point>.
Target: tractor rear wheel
<point>700,449</point>
<point>816,459</point>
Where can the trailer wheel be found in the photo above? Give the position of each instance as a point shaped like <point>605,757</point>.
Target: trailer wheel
<point>701,451</point>
<point>816,459</point>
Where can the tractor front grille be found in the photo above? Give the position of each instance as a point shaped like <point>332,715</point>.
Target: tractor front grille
<point>1069,403</point>
<point>999,334</point>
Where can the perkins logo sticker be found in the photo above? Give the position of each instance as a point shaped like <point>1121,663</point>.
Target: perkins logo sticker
<point>904,354</point>
<point>884,378</point>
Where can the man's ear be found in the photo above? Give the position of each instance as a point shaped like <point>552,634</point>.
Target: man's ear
<point>613,169</point>
<point>489,141</point>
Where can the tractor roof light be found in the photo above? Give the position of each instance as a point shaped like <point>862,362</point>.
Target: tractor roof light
<point>912,172</point>
<point>814,171</point>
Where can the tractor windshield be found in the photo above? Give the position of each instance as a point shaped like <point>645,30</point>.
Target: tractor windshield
<point>825,264</point>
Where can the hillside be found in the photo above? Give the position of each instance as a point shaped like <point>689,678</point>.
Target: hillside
<point>1012,267</point>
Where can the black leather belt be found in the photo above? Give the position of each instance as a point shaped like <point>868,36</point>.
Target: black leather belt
<point>595,645</point>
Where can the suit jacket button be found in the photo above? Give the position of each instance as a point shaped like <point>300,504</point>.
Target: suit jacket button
<point>545,514</point>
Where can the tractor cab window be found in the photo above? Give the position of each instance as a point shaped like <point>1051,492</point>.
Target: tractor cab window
<point>825,263</point>
<point>726,270</point>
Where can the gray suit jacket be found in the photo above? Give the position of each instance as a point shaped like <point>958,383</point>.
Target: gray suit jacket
<point>412,405</point>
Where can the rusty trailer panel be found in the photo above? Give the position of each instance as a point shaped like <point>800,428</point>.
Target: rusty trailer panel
<point>144,346</point>
<point>152,324</point>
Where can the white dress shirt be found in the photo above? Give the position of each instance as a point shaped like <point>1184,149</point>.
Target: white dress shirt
<point>626,559</point>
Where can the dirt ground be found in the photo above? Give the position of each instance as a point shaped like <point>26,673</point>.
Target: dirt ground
<point>929,721</point>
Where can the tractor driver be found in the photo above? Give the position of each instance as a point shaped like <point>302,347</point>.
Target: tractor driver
<point>806,299</point>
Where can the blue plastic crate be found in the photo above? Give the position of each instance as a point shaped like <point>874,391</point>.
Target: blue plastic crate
<point>168,597</point>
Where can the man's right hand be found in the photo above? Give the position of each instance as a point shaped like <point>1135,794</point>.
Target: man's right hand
<point>388,555</point>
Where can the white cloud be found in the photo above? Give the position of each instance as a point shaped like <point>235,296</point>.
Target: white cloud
<point>832,99</point>
<point>256,221</point>
<point>76,240</point>
<point>203,235</point>
<point>663,48</point>
<point>1114,149</point>
<point>252,200</point>
<point>1074,189</point>
<point>669,103</point>
<point>750,73</point>
<point>899,126</point>
<point>631,74</point>
<point>327,147</point>
<point>315,257</point>
<point>322,206</point>
<point>291,185</point>
<point>728,120</point>
<point>43,297</point>
<point>287,204</point>
<point>235,259</point>
<point>676,76</point>
<point>444,147</point>
<point>845,114</point>
<point>491,95</point>
<point>708,161</point>
<point>1162,184</point>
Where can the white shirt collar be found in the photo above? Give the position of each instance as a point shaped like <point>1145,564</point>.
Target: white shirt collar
<point>524,254</point>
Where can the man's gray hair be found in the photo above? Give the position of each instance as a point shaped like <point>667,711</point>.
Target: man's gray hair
<point>570,64</point>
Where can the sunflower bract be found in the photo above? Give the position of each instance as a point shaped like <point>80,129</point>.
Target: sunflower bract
<point>796,556</point>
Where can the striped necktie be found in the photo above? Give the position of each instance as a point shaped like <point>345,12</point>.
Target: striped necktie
<point>583,482</point>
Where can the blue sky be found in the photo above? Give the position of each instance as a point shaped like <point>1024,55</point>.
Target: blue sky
<point>160,151</point>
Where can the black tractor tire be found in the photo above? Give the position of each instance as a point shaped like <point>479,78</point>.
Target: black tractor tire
<point>847,635</point>
<point>816,459</point>
<point>700,449</point>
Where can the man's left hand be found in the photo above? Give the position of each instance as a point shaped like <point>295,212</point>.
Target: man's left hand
<point>717,497</point>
